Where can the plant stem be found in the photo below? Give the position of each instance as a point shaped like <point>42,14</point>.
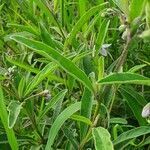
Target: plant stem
<point>84,141</point>
<point>124,53</point>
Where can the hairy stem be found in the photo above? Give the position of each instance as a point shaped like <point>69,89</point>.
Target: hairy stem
<point>123,56</point>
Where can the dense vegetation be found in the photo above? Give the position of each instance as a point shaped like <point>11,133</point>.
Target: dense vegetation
<point>74,74</point>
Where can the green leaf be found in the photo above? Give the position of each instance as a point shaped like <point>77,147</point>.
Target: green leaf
<point>102,139</point>
<point>54,55</point>
<point>57,109</point>
<point>101,35</point>
<point>136,68</point>
<point>32,69</point>
<point>145,142</point>
<point>69,111</point>
<point>2,78</point>
<point>123,5</point>
<point>101,68</point>
<point>135,9</point>
<point>39,77</point>
<point>137,95</point>
<point>84,18</point>
<point>22,65</point>
<point>86,108</point>
<point>4,118</point>
<point>82,11</point>
<point>133,133</point>
<point>60,96</point>
<point>91,25</point>
<point>46,37</point>
<point>68,132</point>
<point>122,78</point>
<point>13,108</point>
<point>81,119</point>
<point>24,28</point>
<point>88,64</point>
<point>145,35</point>
<point>56,3</point>
<point>147,11</point>
<point>133,104</point>
<point>118,121</point>
<point>21,87</point>
<point>46,10</point>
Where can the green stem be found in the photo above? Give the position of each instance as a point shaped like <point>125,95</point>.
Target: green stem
<point>85,140</point>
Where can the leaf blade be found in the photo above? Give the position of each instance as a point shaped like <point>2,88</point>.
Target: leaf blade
<point>126,77</point>
<point>133,133</point>
<point>3,115</point>
<point>59,121</point>
<point>54,55</point>
<point>14,109</point>
<point>102,139</point>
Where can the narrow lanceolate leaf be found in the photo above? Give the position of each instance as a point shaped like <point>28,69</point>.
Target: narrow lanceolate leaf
<point>101,68</point>
<point>133,133</point>
<point>102,139</point>
<point>14,109</point>
<point>84,18</point>
<point>45,9</point>
<point>39,77</point>
<point>32,69</point>
<point>137,95</point>
<point>118,121</point>
<point>135,107</point>
<point>147,12</point>
<point>82,10</point>
<point>126,77</point>
<point>69,111</point>
<point>21,87</point>
<point>23,65</point>
<point>46,37</point>
<point>24,28</point>
<point>60,96</point>
<point>68,132</point>
<point>81,119</point>
<point>54,55</point>
<point>86,108</point>
<point>56,3</point>
<point>137,68</point>
<point>101,35</point>
<point>4,118</point>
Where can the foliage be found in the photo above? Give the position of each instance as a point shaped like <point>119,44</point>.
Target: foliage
<point>74,74</point>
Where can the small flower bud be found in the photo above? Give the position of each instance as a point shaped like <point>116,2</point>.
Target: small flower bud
<point>124,35</point>
<point>103,50</point>
<point>46,94</point>
<point>11,69</point>
<point>146,111</point>
<point>122,27</point>
<point>103,14</point>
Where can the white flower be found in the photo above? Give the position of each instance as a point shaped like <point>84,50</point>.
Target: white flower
<point>46,94</point>
<point>103,50</point>
<point>146,111</point>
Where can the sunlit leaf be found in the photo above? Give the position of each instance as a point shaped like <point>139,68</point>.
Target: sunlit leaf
<point>125,78</point>
<point>69,111</point>
<point>14,109</point>
<point>54,55</point>
<point>102,139</point>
